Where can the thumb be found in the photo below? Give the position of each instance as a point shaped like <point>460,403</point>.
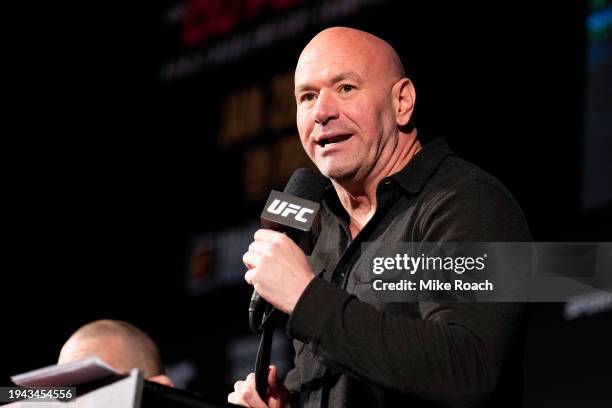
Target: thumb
<point>272,378</point>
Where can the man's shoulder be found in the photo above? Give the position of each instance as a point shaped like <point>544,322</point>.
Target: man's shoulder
<point>461,202</point>
<point>456,176</point>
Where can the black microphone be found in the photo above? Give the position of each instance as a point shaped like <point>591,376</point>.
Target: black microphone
<point>293,212</point>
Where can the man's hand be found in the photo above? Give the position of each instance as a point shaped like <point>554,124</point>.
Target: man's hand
<point>278,269</point>
<point>245,394</point>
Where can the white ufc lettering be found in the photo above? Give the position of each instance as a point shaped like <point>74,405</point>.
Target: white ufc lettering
<point>300,215</point>
<point>284,209</point>
<point>291,209</point>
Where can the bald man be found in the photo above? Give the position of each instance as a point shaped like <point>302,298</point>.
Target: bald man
<point>354,117</point>
<point>119,344</point>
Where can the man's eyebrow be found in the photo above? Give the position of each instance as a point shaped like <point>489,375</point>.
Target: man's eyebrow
<point>347,75</point>
<point>351,75</point>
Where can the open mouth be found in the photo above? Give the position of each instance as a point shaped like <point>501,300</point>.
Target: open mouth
<point>333,140</point>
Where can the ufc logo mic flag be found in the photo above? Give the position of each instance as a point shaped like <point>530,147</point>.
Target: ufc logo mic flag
<point>289,210</point>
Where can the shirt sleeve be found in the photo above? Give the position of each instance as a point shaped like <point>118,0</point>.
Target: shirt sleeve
<point>452,353</point>
<point>292,383</point>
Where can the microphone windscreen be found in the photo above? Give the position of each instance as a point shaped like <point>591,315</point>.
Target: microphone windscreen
<point>308,184</point>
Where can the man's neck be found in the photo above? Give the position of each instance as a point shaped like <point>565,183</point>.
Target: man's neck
<point>359,199</point>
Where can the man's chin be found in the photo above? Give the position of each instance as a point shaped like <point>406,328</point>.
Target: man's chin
<point>338,174</point>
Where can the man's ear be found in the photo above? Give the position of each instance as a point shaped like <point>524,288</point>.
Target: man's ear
<point>404,97</point>
<point>161,379</point>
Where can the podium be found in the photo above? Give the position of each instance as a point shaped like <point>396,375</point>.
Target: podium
<point>125,392</point>
<point>99,386</point>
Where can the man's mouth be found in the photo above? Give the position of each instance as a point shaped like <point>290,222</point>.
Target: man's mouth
<point>331,140</point>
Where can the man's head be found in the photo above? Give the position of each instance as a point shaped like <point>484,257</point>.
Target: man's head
<point>352,103</point>
<point>121,345</point>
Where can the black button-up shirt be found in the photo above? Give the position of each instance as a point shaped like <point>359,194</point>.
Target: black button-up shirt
<point>353,353</point>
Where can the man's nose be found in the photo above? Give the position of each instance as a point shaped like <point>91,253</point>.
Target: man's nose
<point>326,108</point>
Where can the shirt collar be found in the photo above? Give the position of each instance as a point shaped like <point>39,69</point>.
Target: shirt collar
<point>412,177</point>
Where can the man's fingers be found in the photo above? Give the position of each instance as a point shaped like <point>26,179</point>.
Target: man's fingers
<point>249,276</point>
<point>267,235</point>
<point>245,394</point>
<point>234,398</point>
<point>259,247</point>
<point>251,259</point>
<point>237,397</point>
<point>252,399</point>
<point>272,379</point>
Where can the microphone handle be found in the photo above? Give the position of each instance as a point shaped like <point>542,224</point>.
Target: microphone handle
<point>262,362</point>
<point>257,306</point>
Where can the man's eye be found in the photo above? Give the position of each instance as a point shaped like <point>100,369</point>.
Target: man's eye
<point>347,88</point>
<point>307,97</point>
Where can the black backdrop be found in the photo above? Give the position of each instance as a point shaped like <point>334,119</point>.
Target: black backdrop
<point>130,169</point>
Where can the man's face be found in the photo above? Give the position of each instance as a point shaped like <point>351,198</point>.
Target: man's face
<point>344,108</point>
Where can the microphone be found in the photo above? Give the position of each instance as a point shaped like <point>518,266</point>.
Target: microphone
<point>293,212</point>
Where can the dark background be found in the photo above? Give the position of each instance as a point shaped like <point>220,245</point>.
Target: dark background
<point>126,170</point>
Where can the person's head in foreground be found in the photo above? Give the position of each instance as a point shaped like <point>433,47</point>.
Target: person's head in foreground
<point>119,344</point>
